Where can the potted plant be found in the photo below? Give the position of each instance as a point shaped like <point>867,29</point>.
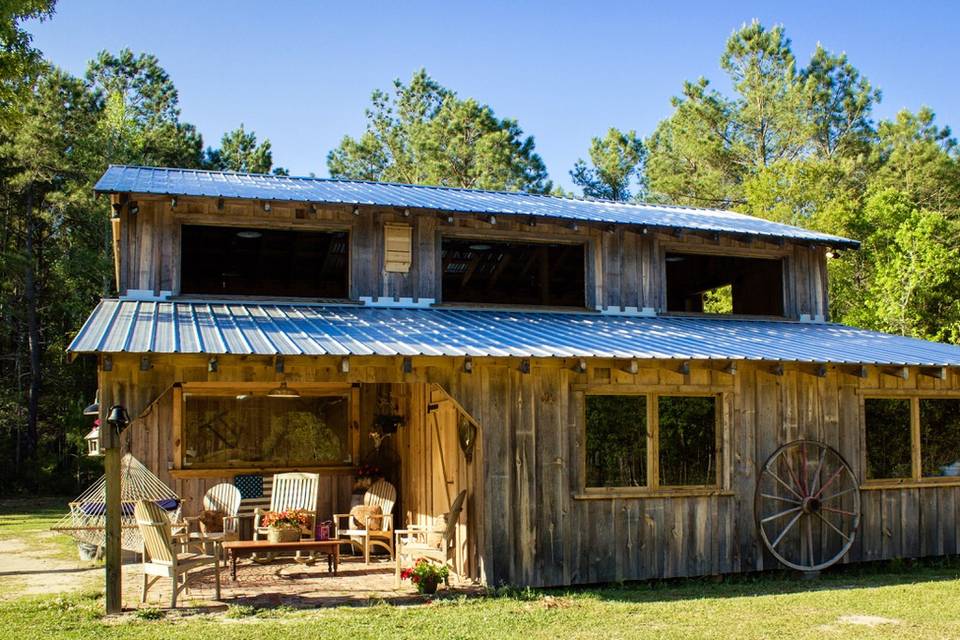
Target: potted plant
<point>285,526</point>
<point>426,575</point>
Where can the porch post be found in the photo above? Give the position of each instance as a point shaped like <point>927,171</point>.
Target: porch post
<point>111,467</point>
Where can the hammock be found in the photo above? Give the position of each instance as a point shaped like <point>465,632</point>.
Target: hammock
<point>86,520</point>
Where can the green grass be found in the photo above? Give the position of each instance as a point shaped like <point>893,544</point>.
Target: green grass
<point>28,520</point>
<point>921,602</point>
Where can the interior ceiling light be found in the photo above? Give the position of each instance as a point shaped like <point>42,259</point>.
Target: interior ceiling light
<point>480,247</point>
<point>249,234</point>
<point>283,391</point>
<point>675,258</point>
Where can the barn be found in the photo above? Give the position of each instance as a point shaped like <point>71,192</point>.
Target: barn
<point>624,391</point>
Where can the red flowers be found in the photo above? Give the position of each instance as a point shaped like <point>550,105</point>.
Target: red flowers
<point>426,575</point>
<point>289,518</point>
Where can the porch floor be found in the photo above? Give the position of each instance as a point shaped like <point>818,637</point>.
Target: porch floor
<point>285,582</point>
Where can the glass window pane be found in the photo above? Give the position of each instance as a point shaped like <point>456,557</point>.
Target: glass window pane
<point>888,438</point>
<point>616,441</point>
<point>940,437</point>
<point>275,432</point>
<point>688,440</point>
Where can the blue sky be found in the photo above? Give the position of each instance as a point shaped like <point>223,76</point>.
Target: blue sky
<point>301,73</point>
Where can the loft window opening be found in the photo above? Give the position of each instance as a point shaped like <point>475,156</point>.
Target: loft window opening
<point>702,283</point>
<point>497,272</point>
<point>276,263</point>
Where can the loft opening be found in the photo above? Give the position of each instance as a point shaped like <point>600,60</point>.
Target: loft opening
<point>705,283</point>
<point>521,273</point>
<point>276,263</point>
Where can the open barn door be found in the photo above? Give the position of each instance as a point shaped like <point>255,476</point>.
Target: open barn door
<point>438,464</point>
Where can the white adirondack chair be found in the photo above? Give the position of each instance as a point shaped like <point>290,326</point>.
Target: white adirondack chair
<point>293,490</point>
<point>433,543</point>
<point>225,498</point>
<point>160,557</point>
<point>381,494</point>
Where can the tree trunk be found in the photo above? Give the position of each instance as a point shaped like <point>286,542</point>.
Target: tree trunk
<point>33,329</point>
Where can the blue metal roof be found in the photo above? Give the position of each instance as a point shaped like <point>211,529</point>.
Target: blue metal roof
<point>118,326</point>
<point>218,184</point>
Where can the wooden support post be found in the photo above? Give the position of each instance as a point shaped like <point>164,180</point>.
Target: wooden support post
<point>631,367</point>
<point>112,572</point>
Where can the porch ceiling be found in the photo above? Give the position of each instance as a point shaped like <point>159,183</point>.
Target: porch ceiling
<point>118,326</point>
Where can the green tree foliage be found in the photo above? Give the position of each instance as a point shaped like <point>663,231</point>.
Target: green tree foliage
<point>424,134</point>
<point>19,61</point>
<point>799,145</point>
<point>616,161</point>
<point>140,110</point>
<point>239,151</point>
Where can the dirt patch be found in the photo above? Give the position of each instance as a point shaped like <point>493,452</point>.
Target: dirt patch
<point>28,570</point>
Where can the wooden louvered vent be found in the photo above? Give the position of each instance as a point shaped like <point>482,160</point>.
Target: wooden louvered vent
<point>397,248</point>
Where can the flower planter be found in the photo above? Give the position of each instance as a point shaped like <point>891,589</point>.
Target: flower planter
<point>428,585</point>
<point>283,534</point>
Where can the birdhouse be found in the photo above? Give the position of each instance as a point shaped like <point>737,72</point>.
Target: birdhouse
<point>93,440</point>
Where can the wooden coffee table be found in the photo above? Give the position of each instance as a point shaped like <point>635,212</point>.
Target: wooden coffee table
<point>238,548</point>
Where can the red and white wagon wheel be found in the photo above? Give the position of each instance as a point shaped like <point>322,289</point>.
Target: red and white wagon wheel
<point>807,505</point>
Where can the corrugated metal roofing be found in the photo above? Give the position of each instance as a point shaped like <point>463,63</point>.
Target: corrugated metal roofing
<point>279,329</point>
<point>191,182</point>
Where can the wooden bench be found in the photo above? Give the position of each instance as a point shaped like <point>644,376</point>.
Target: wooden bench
<point>238,548</point>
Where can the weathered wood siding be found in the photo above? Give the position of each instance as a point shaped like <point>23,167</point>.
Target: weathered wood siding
<point>529,521</point>
<point>624,267</point>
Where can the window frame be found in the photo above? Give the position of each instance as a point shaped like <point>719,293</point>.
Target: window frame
<point>916,478</point>
<point>785,255</point>
<point>214,389</point>
<point>496,236</point>
<point>255,224</point>
<point>653,488</point>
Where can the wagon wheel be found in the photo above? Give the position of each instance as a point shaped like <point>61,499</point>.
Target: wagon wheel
<point>807,505</point>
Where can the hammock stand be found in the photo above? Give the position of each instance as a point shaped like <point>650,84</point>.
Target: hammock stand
<point>86,522</point>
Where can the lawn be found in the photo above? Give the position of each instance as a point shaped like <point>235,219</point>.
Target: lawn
<point>896,602</point>
<point>28,521</point>
<point>886,601</point>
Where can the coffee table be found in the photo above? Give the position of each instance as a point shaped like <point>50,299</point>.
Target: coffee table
<point>238,548</point>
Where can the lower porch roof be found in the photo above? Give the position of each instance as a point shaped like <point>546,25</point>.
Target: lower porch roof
<point>129,326</point>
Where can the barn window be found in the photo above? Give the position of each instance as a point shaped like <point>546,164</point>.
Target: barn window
<point>276,263</point>
<point>687,438</point>
<point>940,437</point>
<point>616,441</point>
<point>650,441</point>
<point>704,283</point>
<point>264,431</point>
<point>523,273</point>
<point>888,438</point>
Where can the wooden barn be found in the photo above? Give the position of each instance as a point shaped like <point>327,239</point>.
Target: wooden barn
<point>624,391</point>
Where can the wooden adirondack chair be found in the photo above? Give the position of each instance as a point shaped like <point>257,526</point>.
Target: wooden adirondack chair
<point>381,494</point>
<point>433,543</point>
<point>291,491</point>
<point>161,559</point>
<point>225,498</point>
